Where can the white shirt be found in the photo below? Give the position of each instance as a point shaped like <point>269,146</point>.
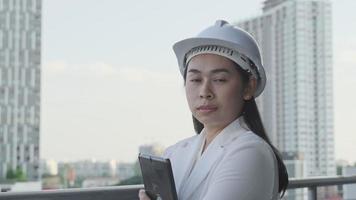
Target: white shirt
<point>237,165</point>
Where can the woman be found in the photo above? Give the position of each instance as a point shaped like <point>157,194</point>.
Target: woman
<point>231,157</point>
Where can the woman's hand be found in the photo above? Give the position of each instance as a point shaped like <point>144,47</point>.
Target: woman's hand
<point>142,195</point>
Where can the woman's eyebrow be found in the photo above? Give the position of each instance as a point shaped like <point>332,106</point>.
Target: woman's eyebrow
<point>220,70</point>
<point>195,71</point>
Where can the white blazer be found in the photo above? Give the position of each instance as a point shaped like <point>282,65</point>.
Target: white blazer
<point>237,165</point>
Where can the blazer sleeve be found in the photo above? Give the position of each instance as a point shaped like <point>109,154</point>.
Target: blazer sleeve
<point>167,152</point>
<point>245,173</point>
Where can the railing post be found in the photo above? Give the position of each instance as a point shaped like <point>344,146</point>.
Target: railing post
<point>312,193</point>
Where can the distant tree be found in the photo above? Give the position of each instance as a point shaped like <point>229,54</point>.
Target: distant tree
<point>78,182</point>
<point>17,175</point>
<point>105,174</point>
<point>339,170</point>
<point>20,175</point>
<point>10,174</point>
<point>137,168</point>
<point>47,175</point>
<point>134,180</point>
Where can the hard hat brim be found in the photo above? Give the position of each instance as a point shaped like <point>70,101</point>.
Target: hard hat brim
<point>182,47</point>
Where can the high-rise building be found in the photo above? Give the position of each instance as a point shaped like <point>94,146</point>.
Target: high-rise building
<point>297,104</point>
<point>20,80</point>
<point>296,168</point>
<point>349,190</point>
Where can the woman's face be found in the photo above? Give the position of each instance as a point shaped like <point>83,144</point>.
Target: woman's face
<point>214,90</point>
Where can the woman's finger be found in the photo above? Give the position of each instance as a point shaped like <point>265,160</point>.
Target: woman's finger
<point>142,195</point>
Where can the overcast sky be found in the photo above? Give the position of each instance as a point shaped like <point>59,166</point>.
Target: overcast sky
<point>110,80</point>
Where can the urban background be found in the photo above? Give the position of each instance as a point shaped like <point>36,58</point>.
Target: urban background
<point>86,85</point>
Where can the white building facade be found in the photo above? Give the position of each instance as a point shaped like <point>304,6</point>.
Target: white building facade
<point>297,104</point>
<point>349,190</point>
<point>20,80</point>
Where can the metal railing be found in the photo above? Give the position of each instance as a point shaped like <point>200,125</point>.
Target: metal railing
<point>313,183</point>
<point>131,192</point>
<point>102,193</point>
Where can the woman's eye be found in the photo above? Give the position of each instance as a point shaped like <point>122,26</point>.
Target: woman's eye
<point>195,80</point>
<point>220,80</point>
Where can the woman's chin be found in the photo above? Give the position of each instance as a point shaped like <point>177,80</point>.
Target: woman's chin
<point>207,120</point>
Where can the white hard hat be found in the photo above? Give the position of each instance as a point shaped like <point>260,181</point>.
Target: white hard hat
<point>228,41</point>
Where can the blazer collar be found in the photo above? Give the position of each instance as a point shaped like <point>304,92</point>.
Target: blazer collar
<point>231,132</point>
<point>211,155</point>
<point>186,160</point>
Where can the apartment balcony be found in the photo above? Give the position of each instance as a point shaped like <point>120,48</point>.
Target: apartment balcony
<point>131,192</point>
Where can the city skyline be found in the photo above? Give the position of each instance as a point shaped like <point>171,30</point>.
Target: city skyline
<point>100,70</point>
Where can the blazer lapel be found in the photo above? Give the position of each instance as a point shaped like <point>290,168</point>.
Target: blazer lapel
<point>201,169</point>
<point>210,157</point>
<point>183,163</point>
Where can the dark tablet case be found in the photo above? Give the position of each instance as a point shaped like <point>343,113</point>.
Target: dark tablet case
<point>157,177</point>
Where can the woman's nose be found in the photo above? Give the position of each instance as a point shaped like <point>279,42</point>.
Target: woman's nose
<point>205,91</point>
<point>206,96</point>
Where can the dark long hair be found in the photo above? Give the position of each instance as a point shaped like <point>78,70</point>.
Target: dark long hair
<point>253,120</point>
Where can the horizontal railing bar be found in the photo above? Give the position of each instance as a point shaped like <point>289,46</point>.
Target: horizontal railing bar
<point>130,192</point>
<point>102,193</point>
<point>320,181</point>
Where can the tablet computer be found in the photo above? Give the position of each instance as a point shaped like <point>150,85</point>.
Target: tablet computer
<point>157,177</point>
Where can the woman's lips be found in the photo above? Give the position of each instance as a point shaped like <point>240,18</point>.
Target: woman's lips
<point>207,109</point>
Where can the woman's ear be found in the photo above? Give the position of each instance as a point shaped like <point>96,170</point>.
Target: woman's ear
<point>250,88</point>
